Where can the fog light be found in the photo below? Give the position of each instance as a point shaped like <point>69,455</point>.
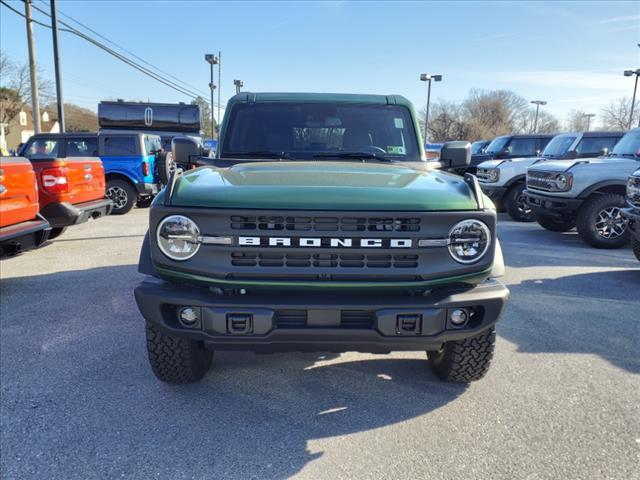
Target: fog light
<point>458,317</point>
<point>188,316</point>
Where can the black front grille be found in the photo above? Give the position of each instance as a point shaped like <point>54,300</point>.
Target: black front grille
<point>323,260</point>
<point>326,224</point>
<point>540,180</point>
<point>359,319</point>
<point>483,174</point>
<point>633,191</point>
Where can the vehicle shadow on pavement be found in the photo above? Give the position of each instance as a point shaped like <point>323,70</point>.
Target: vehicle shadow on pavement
<point>599,316</point>
<point>78,394</point>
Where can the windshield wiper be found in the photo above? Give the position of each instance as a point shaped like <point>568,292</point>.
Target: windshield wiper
<point>256,154</point>
<point>630,155</point>
<point>358,155</point>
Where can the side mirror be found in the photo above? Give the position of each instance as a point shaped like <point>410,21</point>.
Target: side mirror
<point>455,154</point>
<point>538,152</point>
<point>185,150</point>
<point>604,152</point>
<point>571,155</point>
<point>504,152</point>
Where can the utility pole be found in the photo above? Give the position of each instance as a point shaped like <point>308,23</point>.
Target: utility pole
<point>537,104</point>
<point>56,61</point>
<point>219,85</point>
<point>35,100</point>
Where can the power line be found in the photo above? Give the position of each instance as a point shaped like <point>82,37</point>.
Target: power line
<point>144,70</point>
<point>129,52</point>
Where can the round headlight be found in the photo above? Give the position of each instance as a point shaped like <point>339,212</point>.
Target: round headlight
<point>561,182</point>
<point>469,240</point>
<point>178,237</point>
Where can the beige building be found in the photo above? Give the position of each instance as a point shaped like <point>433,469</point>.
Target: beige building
<point>21,127</point>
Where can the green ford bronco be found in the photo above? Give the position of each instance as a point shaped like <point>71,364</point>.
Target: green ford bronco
<point>319,226</point>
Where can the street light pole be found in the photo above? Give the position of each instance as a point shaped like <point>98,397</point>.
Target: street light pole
<point>56,61</point>
<point>589,117</point>
<point>628,73</point>
<point>219,84</point>
<point>426,77</point>
<point>35,101</point>
<point>537,104</point>
<point>212,60</point>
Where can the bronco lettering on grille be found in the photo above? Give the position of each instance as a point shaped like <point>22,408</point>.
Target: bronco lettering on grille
<point>325,242</point>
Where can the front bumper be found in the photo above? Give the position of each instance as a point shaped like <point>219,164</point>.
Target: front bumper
<point>147,189</point>
<point>493,192</point>
<point>321,322</point>
<point>633,215</point>
<point>549,206</point>
<point>64,214</point>
<point>15,239</point>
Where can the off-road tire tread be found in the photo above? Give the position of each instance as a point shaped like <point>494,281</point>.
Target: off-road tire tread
<point>175,359</point>
<point>512,208</point>
<point>552,225</point>
<point>586,225</point>
<point>464,360</point>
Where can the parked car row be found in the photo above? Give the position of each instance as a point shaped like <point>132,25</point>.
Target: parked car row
<point>579,180</point>
<point>62,180</point>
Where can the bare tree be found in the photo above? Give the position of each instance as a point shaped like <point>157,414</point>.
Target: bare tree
<point>577,121</point>
<point>15,88</point>
<point>446,123</point>
<point>615,116</point>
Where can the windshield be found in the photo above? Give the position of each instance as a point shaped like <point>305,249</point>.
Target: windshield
<point>477,147</point>
<point>558,146</point>
<point>305,131</point>
<point>629,144</point>
<point>497,145</point>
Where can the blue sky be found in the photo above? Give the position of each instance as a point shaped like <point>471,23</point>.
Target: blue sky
<point>571,54</point>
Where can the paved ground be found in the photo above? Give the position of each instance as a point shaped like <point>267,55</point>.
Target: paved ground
<point>79,401</point>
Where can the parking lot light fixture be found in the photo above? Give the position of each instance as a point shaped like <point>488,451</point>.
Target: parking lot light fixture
<point>589,116</point>
<point>239,84</point>
<point>537,103</point>
<point>427,77</point>
<point>629,73</point>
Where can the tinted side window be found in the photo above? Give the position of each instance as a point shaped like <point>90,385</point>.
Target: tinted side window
<point>593,146</point>
<point>543,142</point>
<point>42,149</point>
<point>120,146</point>
<point>522,147</point>
<point>82,147</point>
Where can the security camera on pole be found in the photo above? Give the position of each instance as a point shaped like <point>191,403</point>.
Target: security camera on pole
<point>239,84</point>
<point>427,77</point>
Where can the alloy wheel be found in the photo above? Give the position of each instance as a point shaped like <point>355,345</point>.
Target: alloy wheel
<point>610,223</point>
<point>118,196</point>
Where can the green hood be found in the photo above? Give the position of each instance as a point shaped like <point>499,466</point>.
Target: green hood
<point>323,186</point>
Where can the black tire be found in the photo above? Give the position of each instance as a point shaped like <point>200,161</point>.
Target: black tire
<point>554,225</point>
<point>144,202</point>
<point>600,221</point>
<point>56,232</point>
<point>635,245</point>
<point>465,360</point>
<point>174,359</point>
<point>165,165</point>
<point>515,205</point>
<point>122,194</point>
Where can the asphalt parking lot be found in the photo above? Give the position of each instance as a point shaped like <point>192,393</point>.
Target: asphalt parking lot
<point>78,399</point>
